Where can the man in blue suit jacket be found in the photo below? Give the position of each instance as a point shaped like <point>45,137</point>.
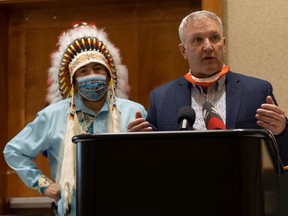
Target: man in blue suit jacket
<point>243,102</point>
<point>244,95</point>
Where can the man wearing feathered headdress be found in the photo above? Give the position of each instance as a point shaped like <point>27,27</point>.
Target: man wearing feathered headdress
<point>86,91</point>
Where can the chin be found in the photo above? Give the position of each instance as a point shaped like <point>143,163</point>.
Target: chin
<point>213,70</point>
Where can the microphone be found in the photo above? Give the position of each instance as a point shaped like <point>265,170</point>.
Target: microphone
<point>186,118</point>
<point>212,118</point>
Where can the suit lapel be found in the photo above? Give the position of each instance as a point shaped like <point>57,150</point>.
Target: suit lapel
<point>183,94</point>
<point>233,99</point>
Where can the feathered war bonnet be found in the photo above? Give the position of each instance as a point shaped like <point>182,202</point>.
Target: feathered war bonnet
<point>77,47</point>
<point>80,41</point>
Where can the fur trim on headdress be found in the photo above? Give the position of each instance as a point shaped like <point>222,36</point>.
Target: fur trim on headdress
<point>71,43</point>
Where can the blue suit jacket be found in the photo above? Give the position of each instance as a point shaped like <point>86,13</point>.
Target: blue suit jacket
<point>244,95</point>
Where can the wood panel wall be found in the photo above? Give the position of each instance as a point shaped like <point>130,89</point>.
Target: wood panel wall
<point>4,103</point>
<point>146,32</point>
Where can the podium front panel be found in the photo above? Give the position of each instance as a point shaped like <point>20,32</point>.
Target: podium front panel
<point>178,173</point>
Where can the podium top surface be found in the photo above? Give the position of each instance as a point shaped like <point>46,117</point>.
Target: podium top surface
<point>257,133</point>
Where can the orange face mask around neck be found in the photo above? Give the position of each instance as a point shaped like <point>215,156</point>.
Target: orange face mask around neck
<point>202,82</point>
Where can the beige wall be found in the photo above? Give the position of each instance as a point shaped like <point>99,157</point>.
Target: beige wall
<point>257,41</point>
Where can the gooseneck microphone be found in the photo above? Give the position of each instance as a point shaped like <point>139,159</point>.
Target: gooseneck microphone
<point>186,118</point>
<point>212,118</point>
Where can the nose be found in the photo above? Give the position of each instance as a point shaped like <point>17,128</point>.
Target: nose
<point>90,70</point>
<point>207,46</point>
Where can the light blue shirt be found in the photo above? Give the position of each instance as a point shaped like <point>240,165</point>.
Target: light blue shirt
<point>46,133</point>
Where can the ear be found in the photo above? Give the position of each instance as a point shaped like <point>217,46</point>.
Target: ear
<point>182,50</point>
<point>224,43</point>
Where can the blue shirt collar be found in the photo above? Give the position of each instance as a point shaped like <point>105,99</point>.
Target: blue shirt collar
<point>81,106</point>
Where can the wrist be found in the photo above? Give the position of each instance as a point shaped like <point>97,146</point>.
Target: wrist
<point>42,184</point>
<point>285,128</point>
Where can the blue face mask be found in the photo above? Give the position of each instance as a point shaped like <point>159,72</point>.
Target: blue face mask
<point>92,87</point>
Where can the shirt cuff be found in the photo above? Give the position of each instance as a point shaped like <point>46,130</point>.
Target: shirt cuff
<point>42,184</point>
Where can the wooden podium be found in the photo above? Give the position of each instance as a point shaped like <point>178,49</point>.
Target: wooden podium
<point>230,172</point>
